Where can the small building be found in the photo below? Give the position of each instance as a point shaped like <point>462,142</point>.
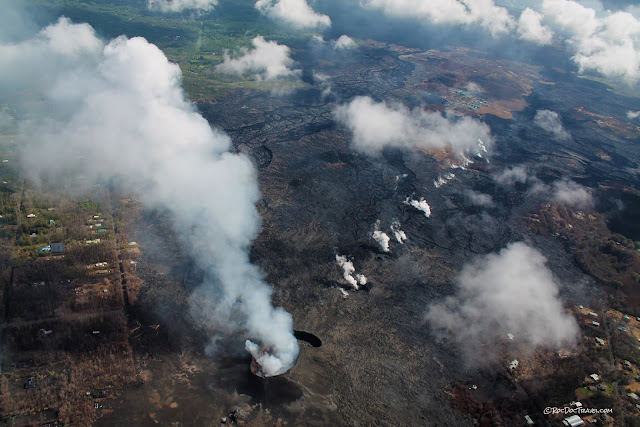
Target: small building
<point>513,364</point>
<point>633,396</point>
<point>596,324</point>
<point>31,383</point>
<point>592,388</point>
<point>93,242</point>
<point>510,336</point>
<point>31,216</point>
<point>626,364</point>
<point>592,314</point>
<point>626,318</point>
<point>528,419</point>
<point>595,377</point>
<point>599,341</point>
<point>45,249</point>
<point>58,248</point>
<point>602,387</point>
<point>573,421</point>
<point>102,230</point>
<point>622,329</point>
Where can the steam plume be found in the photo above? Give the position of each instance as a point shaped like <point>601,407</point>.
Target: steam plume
<point>420,205</point>
<point>347,272</point>
<point>398,233</point>
<point>381,237</point>
<point>117,111</point>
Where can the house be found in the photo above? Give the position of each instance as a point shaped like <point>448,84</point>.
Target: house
<point>510,336</point>
<point>633,396</point>
<point>528,419</point>
<point>596,324</point>
<point>602,387</point>
<point>600,341</point>
<point>93,242</point>
<point>58,248</point>
<point>102,230</point>
<point>573,421</point>
<point>513,365</point>
<point>626,318</point>
<point>592,314</point>
<point>31,383</point>
<point>622,329</point>
<point>595,377</point>
<point>31,216</point>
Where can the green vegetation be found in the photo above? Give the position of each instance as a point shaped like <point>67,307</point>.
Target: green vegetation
<point>197,42</point>
<point>616,88</point>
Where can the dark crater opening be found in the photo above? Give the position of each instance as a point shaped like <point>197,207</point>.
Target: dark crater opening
<point>308,337</point>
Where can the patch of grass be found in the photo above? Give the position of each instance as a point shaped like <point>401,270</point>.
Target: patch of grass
<point>618,89</point>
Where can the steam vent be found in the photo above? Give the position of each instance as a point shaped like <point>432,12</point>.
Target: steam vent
<point>257,370</point>
<point>307,337</point>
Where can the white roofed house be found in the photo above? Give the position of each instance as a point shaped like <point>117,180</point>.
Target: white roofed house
<point>573,421</point>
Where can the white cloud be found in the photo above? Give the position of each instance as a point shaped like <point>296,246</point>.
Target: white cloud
<point>512,175</point>
<point>530,28</point>
<point>296,13</point>
<point>512,291</point>
<point>420,205</point>
<point>551,122</point>
<point>344,42</point>
<point>495,19</point>
<point>633,114</point>
<point>609,45</point>
<point>479,199</point>
<point>572,193</point>
<point>116,112</point>
<point>376,125</point>
<point>267,60</point>
<point>180,5</point>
